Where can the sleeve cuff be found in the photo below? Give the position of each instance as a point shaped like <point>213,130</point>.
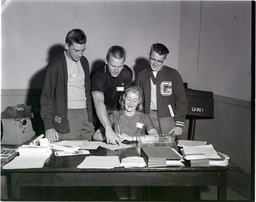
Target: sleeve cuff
<point>179,124</point>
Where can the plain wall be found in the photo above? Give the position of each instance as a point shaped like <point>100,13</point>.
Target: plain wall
<point>216,56</point>
<point>30,29</point>
<point>209,44</point>
<point>215,47</point>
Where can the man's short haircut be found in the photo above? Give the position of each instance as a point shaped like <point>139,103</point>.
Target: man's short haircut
<point>160,49</point>
<point>76,36</point>
<point>117,52</point>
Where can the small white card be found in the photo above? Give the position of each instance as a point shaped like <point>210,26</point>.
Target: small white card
<point>139,125</point>
<point>119,88</point>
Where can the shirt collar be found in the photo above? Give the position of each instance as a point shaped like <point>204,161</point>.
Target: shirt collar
<point>68,59</point>
<point>158,70</point>
<point>108,72</point>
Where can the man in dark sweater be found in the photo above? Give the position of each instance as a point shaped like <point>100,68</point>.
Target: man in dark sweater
<point>66,103</point>
<point>164,94</point>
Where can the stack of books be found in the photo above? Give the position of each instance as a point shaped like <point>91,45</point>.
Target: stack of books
<point>156,156</point>
<point>7,154</point>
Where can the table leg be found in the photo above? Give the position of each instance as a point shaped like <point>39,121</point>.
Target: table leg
<point>145,193</point>
<point>222,188</point>
<point>197,193</point>
<point>14,187</point>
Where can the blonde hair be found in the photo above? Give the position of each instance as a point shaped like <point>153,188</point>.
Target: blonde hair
<point>133,89</point>
<point>117,52</point>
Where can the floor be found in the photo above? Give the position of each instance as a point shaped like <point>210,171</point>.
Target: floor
<point>241,183</point>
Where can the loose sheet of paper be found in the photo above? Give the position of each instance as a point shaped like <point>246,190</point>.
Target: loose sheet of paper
<point>28,161</point>
<point>67,153</point>
<point>90,145</point>
<point>73,143</point>
<point>115,146</point>
<point>182,143</point>
<point>103,162</point>
<point>79,144</point>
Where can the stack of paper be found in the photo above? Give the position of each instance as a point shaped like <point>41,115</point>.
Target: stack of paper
<point>199,162</point>
<point>158,156</point>
<point>204,155</point>
<point>29,157</point>
<point>200,152</point>
<point>220,162</point>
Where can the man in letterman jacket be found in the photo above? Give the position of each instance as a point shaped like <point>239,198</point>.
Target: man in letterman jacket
<point>164,94</point>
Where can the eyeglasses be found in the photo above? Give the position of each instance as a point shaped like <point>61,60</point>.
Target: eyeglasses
<point>158,62</point>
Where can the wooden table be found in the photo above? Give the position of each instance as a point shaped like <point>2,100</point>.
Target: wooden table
<point>63,171</point>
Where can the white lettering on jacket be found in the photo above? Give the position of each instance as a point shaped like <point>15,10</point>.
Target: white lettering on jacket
<point>57,119</point>
<point>166,88</point>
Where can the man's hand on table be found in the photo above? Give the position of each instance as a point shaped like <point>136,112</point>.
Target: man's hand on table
<point>52,135</point>
<point>111,137</point>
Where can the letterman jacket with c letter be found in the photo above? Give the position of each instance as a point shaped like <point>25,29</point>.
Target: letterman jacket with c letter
<point>170,91</point>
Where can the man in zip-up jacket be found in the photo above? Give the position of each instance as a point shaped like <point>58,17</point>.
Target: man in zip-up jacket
<point>66,103</point>
<point>164,94</point>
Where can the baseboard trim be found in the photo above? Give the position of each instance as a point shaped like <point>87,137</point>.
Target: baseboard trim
<point>232,101</point>
<point>20,92</point>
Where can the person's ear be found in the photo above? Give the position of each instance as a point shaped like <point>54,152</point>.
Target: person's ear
<point>66,46</point>
<point>106,62</point>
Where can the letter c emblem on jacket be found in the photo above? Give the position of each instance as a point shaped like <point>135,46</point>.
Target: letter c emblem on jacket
<point>166,88</point>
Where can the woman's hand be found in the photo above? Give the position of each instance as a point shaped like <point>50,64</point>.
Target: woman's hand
<point>123,137</point>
